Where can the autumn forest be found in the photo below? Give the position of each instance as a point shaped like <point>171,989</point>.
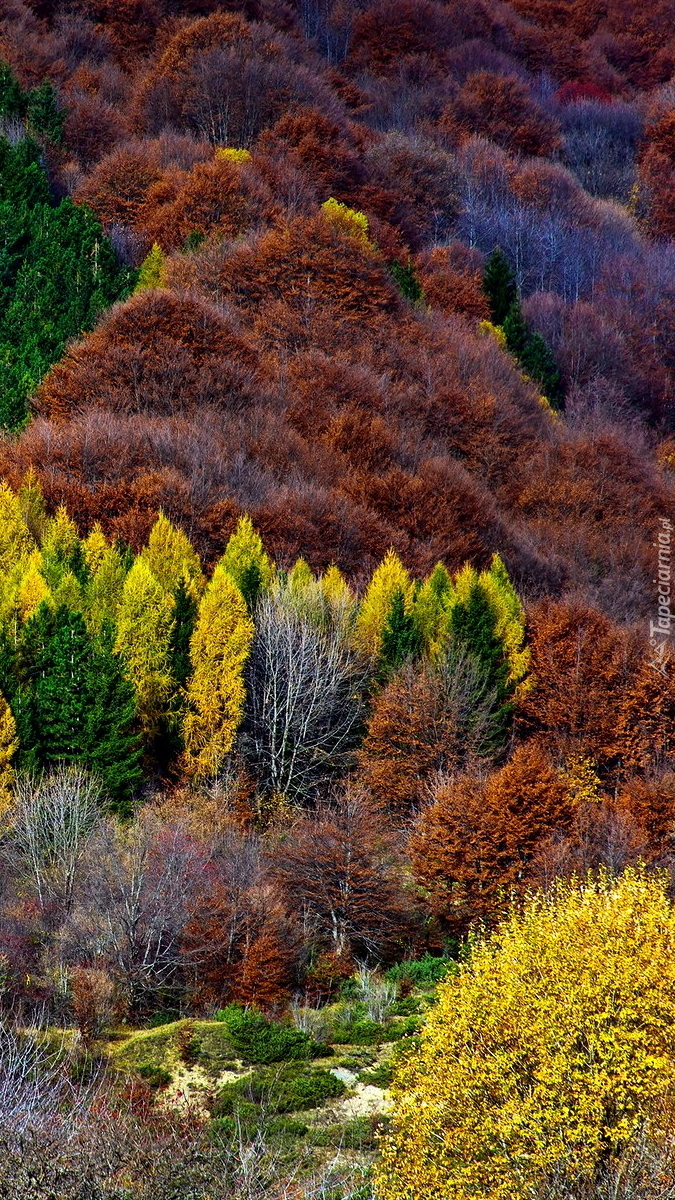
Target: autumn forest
<point>337,699</point>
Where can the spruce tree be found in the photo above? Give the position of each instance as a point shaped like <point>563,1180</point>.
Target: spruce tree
<point>515,331</point>
<point>407,282</point>
<point>499,285</point>
<point>112,748</point>
<point>62,690</point>
<point>401,640</point>
<point>539,364</point>
<point>185,617</point>
<point>473,624</point>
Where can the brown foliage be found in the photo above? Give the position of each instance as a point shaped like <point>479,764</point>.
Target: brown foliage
<point>500,108</point>
<point>475,845</point>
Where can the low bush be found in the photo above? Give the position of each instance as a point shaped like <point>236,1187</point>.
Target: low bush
<point>155,1077</point>
<point>286,1089</point>
<point>258,1040</point>
<point>421,972</point>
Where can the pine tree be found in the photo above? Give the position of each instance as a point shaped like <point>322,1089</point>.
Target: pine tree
<point>45,118</point>
<point>151,273</point>
<point>407,282</point>
<point>388,579</point>
<point>144,630</point>
<point>171,556</point>
<point>12,98</point>
<point>246,562</point>
<point>219,649</point>
<point>499,285</point>
<point>401,640</point>
<point>112,749</point>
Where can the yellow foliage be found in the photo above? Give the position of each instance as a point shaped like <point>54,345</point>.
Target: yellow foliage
<point>244,554</point>
<point>16,542</point>
<point>544,1053</point>
<point>32,588</point>
<point>219,648</point>
<point>152,270</point>
<point>61,538</point>
<point>495,331</point>
<point>94,548</point>
<point>582,781</point>
<point>230,154</point>
<point>300,577</point>
<point>433,603</point>
<point>8,747</point>
<point>172,557</point>
<point>32,504</point>
<point>388,579</point>
<point>508,610</point>
<point>105,588</point>
<point>350,220</point>
<point>144,627</point>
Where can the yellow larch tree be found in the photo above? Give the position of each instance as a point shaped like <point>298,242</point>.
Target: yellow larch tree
<point>246,561</point>
<point>387,580</point>
<point>8,748</point>
<point>172,557</point>
<point>16,542</point>
<point>144,627</point>
<point>105,587</point>
<point>219,648</point>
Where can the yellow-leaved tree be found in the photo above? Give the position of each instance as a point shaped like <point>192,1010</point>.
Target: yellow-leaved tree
<point>546,1052</point>
<point>246,561</point>
<point>387,580</point>
<point>144,627</point>
<point>8,747</point>
<point>219,648</point>
<point>16,542</point>
<point>509,613</point>
<point>172,557</point>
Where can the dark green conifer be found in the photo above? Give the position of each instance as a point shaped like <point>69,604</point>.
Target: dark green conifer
<point>401,640</point>
<point>112,748</point>
<point>539,364</point>
<point>515,331</point>
<point>499,285</point>
<point>406,281</point>
<point>473,625</point>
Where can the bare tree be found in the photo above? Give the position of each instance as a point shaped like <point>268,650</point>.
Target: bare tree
<point>305,703</point>
<point>141,887</point>
<point>52,820</point>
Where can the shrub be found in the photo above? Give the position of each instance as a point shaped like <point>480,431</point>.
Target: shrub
<point>155,1077</point>
<point>274,1091</point>
<point>546,1055</point>
<point>257,1040</point>
<point>421,972</point>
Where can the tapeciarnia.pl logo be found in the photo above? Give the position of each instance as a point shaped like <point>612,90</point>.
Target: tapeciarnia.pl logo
<point>660,630</point>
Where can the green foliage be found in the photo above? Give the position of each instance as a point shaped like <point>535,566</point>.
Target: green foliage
<point>45,118</point>
<point>473,623</point>
<point>515,330</point>
<point>282,1089</point>
<point>58,271</point>
<point>360,1031</point>
<point>499,285</point>
<point>401,639</point>
<point>407,282</point>
<point>155,1077</point>
<point>538,362</point>
<point>258,1040</point>
<point>420,972</point>
<point>360,1133</point>
<point>378,1076</point>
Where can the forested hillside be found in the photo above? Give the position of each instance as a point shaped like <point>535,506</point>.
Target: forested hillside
<point>337,479</point>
